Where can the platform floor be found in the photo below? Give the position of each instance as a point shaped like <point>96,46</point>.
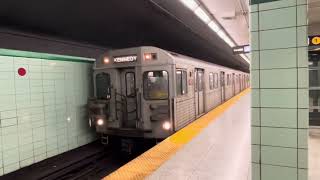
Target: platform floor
<point>216,146</point>
<point>220,151</point>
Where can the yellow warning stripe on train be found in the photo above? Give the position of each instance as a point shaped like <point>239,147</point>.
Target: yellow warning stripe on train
<point>151,160</point>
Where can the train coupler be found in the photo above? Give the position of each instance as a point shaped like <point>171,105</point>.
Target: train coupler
<point>104,140</point>
<point>127,145</point>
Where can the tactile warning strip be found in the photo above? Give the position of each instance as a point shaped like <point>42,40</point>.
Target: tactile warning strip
<point>151,160</point>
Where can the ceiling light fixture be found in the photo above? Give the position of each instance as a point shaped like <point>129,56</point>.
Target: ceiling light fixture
<point>214,26</point>
<point>202,15</point>
<point>245,58</point>
<point>195,6</point>
<point>191,4</point>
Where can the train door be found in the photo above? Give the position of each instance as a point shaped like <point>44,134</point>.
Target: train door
<point>223,88</point>
<point>128,98</point>
<point>199,91</point>
<point>240,82</point>
<point>233,85</point>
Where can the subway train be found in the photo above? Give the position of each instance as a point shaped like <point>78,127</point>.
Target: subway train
<point>149,92</point>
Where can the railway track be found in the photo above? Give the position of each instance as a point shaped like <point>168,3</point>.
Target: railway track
<point>86,168</point>
<point>90,162</point>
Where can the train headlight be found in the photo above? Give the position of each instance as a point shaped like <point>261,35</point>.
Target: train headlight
<point>106,60</point>
<point>150,56</point>
<point>166,125</point>
<point>147,56</point>
<point>100,122</point>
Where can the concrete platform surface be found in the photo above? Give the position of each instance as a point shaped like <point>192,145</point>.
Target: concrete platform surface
<point>221,151</point>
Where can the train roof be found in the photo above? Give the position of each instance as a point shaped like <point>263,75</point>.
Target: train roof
<point>174,55</point>
<point>184,57</point>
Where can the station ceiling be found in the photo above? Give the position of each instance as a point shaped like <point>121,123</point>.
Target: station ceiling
<point>120,24</point>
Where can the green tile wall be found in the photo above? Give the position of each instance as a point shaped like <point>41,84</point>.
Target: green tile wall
<point>43,113</point>
<point>279,75</point>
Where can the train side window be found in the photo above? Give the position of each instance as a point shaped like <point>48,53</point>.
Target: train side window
<point>211,81</point>
<point>103,86</point>
<point>215,80</point>
<point>181,82</point>
<point>155,85</point>
<point>130,84</point>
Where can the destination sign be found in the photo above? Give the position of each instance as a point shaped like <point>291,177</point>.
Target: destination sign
<point>123,59</point>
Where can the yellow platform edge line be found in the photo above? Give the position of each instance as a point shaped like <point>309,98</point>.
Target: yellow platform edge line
<point>145,164</point>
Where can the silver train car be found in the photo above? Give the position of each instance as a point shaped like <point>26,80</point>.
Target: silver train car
<point>151,93</point>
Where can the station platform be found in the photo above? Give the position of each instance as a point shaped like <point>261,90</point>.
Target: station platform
<point>215,146</point>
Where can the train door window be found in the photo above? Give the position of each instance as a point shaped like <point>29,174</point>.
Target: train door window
<point>155,85</point>
<point>227,79</point>
<point>181,82</point>
<point>195,82</point>
<point>103,86</point>
<point>200,80</point>
<point>130,84</point>
<point>215,81</point>
<point>184,82</point>
<point>178,82</point>
<point>211,81</point>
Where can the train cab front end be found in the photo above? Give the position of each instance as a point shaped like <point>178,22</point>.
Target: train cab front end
<point>132,94</point>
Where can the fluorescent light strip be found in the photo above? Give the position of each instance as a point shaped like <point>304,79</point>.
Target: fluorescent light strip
<point>202,15</point>
<point>191,4</point>
<point>214,26</point>
<point>245,58</point>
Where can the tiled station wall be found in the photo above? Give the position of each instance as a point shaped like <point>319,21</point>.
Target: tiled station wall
<point>42,113</point>
<point>279,73</point>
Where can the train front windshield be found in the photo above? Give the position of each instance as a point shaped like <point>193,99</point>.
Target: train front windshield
<point>155,85</point>
<point>103,86</point>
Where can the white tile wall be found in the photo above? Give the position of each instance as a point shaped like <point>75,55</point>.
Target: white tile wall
<point>282,137</point>
<point>34,109</point>
<point>255,171</point>
<point>277,4</point>
<point>275,117</point>
<point>277,18</point>
<point>278,58</point>
<point>302,15</point>
<point>278,38</point>
<point>255,153</point>
<point>255,116</point>
<point>302,57</point>
<point>255,64</point>
<point>279,98</point>
<point>302,39</point>
<point>278,78</point>
<point>254,21</point>
<point>280,90</point>
<point>279,156</point>
<point>270,172</point>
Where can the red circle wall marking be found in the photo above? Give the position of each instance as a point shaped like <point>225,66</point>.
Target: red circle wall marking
<point>22,71</point>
